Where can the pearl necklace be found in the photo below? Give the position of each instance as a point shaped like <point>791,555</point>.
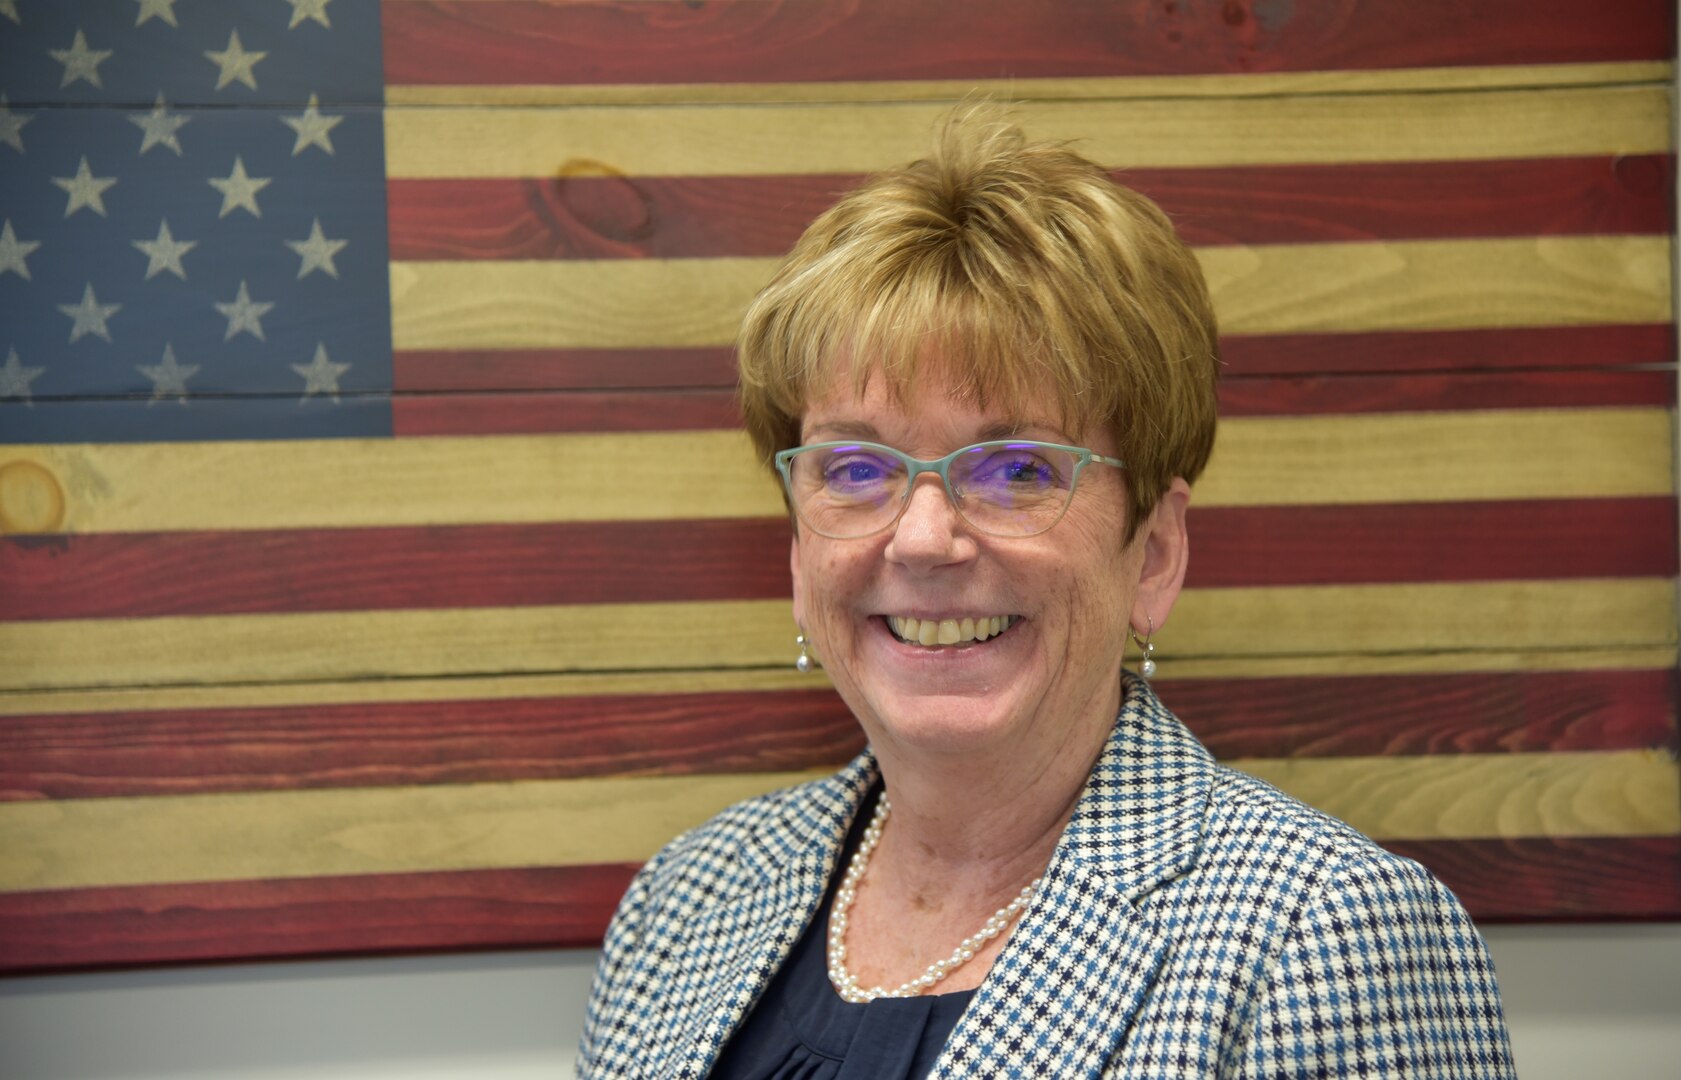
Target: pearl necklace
<point>846,983</point>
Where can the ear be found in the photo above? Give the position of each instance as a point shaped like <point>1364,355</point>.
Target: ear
<point>794,572</point>
<point>1167,553</point>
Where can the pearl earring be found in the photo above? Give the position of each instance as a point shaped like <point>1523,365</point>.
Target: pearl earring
<point>803,663</point>
<point>1148,667</point>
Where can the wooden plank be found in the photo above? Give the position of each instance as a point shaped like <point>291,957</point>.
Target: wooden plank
<point>1270,289</point>
<point>738,140</point>
<point>1475,796</point>
<point>86,843</point>
<point>616,217</point>
<point>568,907</point>
<point>1522,880</point>
<point>1097,88</point>
<point>452,741</point>
<point>651,476</point>
<point>524,413</point>
<point>757,42</point>
<point>1458,351</point>
<point>485,687</point>
<point>1469,713</point>
<point>110,575</point>
<point>316,646</point>
<point>529,907</point>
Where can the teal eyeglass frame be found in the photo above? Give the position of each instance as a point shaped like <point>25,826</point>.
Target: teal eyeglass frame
<point>940,467</point>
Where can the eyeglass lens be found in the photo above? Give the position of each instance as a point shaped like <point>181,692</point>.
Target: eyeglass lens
<point>1005,489</point>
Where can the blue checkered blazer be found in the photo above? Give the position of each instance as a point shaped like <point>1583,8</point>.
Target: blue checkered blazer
<point>1193,922</point>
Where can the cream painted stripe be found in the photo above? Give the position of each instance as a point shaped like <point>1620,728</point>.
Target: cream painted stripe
<point>1262,289</point>
<point>783,678</point>
<point>1269,84</point>
<point>153,840</point>
<point>730,140</point>
<point>70,844</point>
<point>1258,461</point>
<point>1623,793</point>
<point>1257,622</point>
<point>780,678</point>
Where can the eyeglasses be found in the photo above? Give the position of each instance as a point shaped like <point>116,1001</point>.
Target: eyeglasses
<point>1011,487</point>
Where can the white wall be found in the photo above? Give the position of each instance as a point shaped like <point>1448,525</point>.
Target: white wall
<point>1583,1001</point>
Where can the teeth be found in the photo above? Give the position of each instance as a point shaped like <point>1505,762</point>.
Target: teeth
<point>932,632</point>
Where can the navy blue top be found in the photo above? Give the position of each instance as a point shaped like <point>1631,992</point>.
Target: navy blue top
<point>802,1030</point>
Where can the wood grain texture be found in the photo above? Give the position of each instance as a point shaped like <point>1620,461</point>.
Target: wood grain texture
<point>1476,796</point>
<point>178,752</point>
<point>132,575</point>
<point>195,751</point>
<point>614,217</point>
<point>781,678</point>
<point>525,413</point>
<point>443,142</point>
<point>1570,348</point>
<point>320,646</point>
<point>96,843</point>
<point>568,907</point>
<point>754,41</point>
<point>1469,713</point>
<point>1261,289</point>
<point>529,907</point>
<point>650,476</point>
<point>1523,880</point>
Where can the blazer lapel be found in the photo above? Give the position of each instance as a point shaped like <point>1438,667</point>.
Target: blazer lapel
<point>1063,993</point>
<point>746,938</point>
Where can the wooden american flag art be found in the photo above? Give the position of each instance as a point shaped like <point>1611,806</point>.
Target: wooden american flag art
<point>383,567</point>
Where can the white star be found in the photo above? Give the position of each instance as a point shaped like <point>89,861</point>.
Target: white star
<point>85,189</point>
<point>317,251</point>
<point>165,252</point>
<point>89,316</point>
<point>313,129</point>
<point>9,8</point>
<point>243,314</point>
<point>15,378</point>
<point>160,126</point>
<point>309,9</point>
<point>235,63</point>
<point>80,62</point>
<point>13,251</point>
<point>239,191</point>
<point>321,376</point>
<point>11,126</point>
<point>169,379</point>
<point>162,9</point>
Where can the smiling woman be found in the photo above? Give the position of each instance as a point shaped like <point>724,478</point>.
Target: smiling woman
<point>987,382</point>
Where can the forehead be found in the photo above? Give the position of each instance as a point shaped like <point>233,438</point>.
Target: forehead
<point>935,406</point>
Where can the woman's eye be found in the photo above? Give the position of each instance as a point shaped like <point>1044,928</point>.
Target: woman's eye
<point>855,472</point>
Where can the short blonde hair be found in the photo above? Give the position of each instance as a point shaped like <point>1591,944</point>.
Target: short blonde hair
<point>1017,268</point>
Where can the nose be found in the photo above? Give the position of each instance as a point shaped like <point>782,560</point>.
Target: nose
<point>930,532</point>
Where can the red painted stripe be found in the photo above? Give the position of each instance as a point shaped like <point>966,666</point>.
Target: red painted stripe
<point>447,370</point>
<point>197,751</point>
<point>568,907</point>
<point>625,217</point>
<point>702,408</point>
<point>538,413</point>
<point>513,42</point>
<point>1468,713</point>
<point>112,575</point>
<point>565,907</point>
<point>1462,351</point>
<point>1637,877</point>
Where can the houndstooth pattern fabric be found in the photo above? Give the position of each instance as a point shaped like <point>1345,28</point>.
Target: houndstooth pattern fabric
<point>1193,922</point>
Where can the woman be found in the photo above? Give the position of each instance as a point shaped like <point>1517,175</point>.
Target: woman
<point>987,381</point>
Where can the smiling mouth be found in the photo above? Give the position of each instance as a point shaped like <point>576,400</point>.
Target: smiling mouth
<point>936,632</point>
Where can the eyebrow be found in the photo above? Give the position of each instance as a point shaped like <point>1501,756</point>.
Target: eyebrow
<point>1003,429</point>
